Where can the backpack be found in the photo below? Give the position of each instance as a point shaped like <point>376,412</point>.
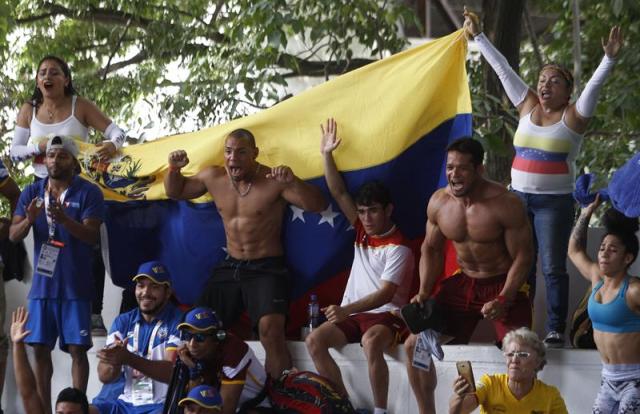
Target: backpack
<point>581,333</point>
<point>305,392</point>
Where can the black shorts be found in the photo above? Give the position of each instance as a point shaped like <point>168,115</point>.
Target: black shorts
<point>260,286</point>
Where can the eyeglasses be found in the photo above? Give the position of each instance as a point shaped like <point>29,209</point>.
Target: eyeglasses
<point>198,337</point>
<point>518,354</point>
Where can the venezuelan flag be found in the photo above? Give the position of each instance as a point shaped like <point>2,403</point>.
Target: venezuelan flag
<point>395,117</point>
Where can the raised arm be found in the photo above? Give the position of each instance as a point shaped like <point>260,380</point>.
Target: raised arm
<point>296,191</point>
<point>179,187</point>
<point>338,190</point>
<point>578,115</point>
<point>523,98</point>
<point>431,251</point>
<point>25,379</point>
<point>578,244</point>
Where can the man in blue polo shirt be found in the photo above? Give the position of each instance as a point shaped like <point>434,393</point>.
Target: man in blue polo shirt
<point>142,343</point>
<point>65,213</point>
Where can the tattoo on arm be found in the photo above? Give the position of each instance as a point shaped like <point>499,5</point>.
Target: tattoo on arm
<point>580,232</point>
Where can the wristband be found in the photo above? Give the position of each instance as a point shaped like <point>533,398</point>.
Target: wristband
<point>501,299</point>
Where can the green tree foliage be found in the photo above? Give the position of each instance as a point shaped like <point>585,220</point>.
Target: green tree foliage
<point>206,60</point>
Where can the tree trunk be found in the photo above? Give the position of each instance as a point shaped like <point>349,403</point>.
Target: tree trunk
<point>502,24</point>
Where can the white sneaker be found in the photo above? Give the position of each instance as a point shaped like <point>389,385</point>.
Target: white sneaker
<point>554,340</point>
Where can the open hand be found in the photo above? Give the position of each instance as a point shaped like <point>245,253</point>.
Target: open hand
<point>330,141</point>
<point>18,321</point>
<point>613,45</point>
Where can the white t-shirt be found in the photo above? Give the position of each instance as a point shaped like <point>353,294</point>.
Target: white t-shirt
<point>387,258</point>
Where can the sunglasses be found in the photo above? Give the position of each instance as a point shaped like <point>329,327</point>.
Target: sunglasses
<point>518,354</point>
<point>198,336</point>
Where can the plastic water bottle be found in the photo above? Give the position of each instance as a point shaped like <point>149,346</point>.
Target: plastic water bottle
<point>314,312</point>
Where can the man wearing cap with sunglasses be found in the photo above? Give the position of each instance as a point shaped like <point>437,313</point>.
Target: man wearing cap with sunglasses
<point>203,399</point>
<point>142,343</point>
<point>220,359</point>
<point>65,212</point>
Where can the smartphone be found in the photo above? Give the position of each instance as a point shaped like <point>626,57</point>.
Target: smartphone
<point>466,372</point>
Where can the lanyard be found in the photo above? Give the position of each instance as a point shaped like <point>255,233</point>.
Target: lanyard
<point>136,342</point>
<point>50,223</point>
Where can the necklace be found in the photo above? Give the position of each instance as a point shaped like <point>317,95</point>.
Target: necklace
<point>50,113</point>
<point>246,191</point>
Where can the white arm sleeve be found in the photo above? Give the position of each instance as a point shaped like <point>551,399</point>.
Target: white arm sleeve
<point>115,134</point>
<point>513,85</point>
<point>20,148</point>
<point>586,103</point>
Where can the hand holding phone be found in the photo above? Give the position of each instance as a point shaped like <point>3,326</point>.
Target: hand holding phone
<point>466,372</point>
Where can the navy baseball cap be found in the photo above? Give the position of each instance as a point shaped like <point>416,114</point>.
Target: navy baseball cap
<point>205,396</point>
<point>201,319</point>
<point>155,271</point>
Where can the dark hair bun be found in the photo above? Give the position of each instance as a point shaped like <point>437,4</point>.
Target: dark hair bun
<point>616,222</point>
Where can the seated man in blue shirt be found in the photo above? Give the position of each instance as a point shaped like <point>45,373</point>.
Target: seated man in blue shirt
<point>142,343</point>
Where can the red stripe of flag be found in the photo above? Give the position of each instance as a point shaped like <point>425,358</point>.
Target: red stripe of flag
<point>540,167</point>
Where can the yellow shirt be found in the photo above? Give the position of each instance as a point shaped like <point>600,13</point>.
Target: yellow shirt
<point>495,397</point>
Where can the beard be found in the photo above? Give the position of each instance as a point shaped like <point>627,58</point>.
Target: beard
<point>153,310</point>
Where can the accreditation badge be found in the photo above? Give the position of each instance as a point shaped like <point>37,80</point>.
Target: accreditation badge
<point>142,390</point>
<point>48,258</point>
<point>421,355</point>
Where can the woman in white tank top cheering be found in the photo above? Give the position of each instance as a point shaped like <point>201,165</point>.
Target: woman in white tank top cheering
<point>547,142</point>
<point>56,109</point>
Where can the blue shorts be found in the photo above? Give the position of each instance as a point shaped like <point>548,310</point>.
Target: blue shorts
<point>120,407</point>
<point>52,318</point>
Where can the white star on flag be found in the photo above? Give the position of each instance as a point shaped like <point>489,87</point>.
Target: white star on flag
<point>328,215</point>
<point>297,213</point>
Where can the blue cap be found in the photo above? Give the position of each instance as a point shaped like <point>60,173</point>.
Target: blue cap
<point>205,396</point>
<point>201,319</point>
<point>155,271</point>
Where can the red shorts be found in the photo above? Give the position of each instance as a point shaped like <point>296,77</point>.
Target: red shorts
<point>356,325</point>
<point>462,298</point>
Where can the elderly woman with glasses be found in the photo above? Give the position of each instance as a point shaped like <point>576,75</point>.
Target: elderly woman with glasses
<point>517,391</point>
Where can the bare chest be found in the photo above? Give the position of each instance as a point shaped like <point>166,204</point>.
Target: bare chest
<point>475,223</point>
